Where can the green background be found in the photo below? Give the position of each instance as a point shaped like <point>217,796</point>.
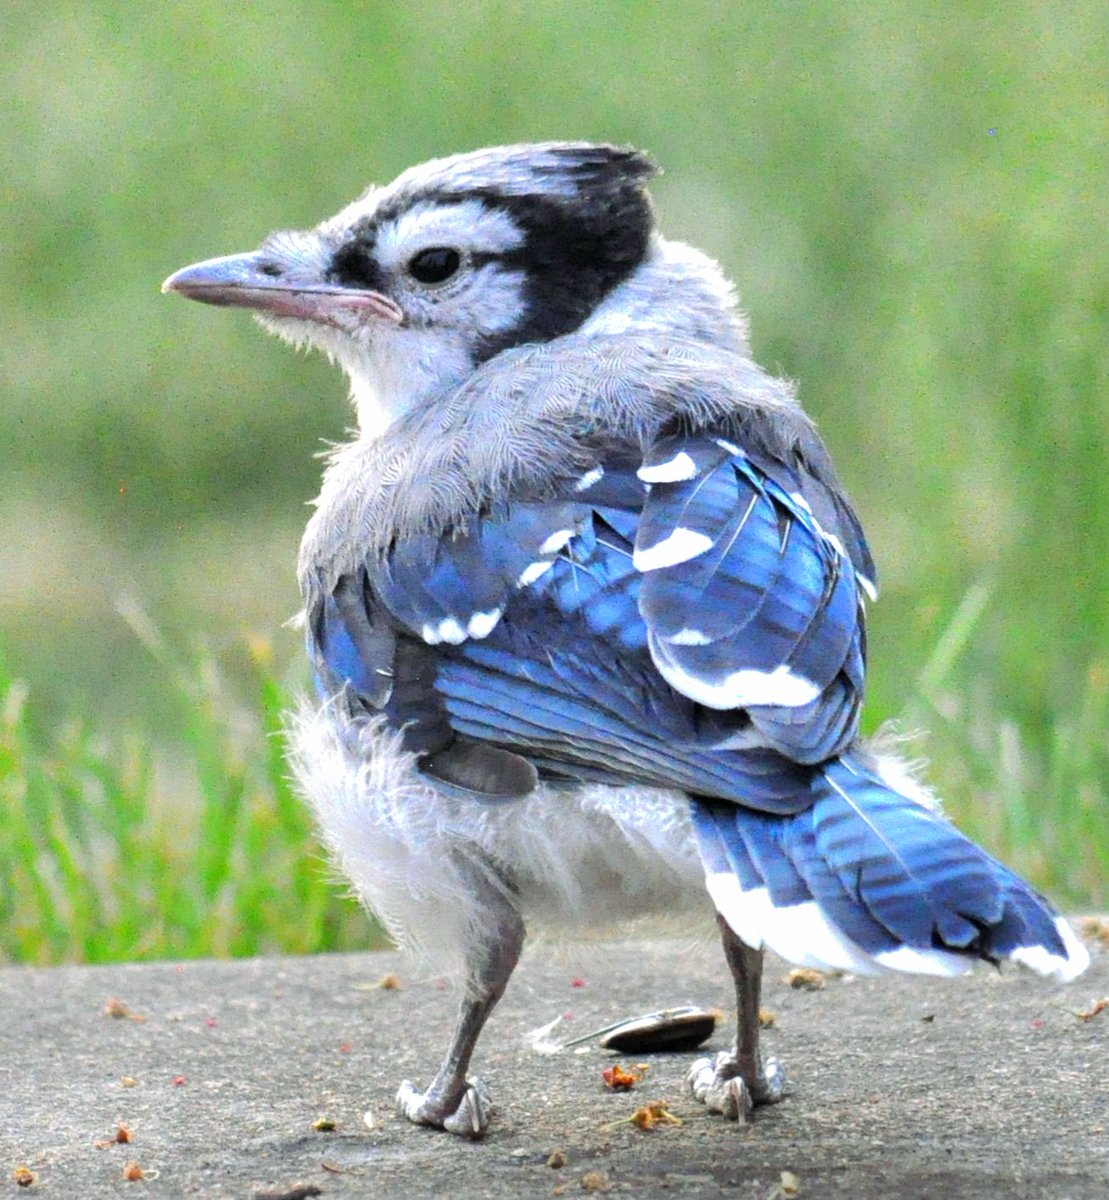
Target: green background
<point>911,197</point>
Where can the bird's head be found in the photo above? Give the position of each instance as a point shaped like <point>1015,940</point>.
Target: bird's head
<point>413,286</point>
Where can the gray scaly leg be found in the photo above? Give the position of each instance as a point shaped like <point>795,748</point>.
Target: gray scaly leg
<point>735,1080</point>
<point>454,1102</point>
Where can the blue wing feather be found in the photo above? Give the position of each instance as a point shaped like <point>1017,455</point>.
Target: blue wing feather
<point>766,615</point>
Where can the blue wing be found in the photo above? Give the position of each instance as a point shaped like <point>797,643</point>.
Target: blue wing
<point>559,630</point>
<point>749,601</point>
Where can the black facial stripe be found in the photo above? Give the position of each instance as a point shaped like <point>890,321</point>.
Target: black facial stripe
<point>575,251</point>
<point>354,265</point>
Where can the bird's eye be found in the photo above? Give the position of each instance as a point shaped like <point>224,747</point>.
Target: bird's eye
<point>434,265</point>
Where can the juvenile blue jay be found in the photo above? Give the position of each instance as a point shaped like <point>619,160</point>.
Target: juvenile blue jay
<point>585,605</point>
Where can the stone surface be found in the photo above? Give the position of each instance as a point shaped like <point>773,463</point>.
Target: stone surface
<point>898,1086</point>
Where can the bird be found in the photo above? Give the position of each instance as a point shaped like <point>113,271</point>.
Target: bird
<point>585,605</point>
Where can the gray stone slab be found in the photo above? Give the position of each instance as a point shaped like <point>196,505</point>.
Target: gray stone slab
<point>987,1086</point>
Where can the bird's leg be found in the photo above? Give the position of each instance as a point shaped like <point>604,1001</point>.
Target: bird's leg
<point>454,1102</point>
<point>735,1080</point>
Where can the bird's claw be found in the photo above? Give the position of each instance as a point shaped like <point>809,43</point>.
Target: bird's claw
<point>719,1085</point>
<point>469,1118</point>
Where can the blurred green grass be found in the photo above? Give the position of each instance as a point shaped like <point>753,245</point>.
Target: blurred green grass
<point>912,199</point>
<point>108,854</point>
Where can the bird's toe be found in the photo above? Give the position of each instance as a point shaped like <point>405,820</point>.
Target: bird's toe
<point>468,1117</point>
<point>719,1084</point>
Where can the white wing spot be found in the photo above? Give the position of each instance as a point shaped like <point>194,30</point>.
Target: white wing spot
<point>531,573</point>
<point>674,470</point>
<point>731,447</point>
<point>448,630</point>
<point>803,505</point>
<point>835,543</point>
<point>482,623</point>
<point>677,547</point>
<point>556,541</point>
<point>689,637</point>
<point>589,479</point>
<point>740,689</point>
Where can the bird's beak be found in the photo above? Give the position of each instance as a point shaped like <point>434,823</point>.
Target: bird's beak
<point>256,280</point>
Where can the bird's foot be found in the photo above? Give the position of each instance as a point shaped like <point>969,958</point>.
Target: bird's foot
<point>469,1117</point>
<point>720,1085</point>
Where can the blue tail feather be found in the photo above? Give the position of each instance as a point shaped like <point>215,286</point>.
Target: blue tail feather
<point>869,877</point>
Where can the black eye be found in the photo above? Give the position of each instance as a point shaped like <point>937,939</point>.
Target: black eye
<point>434,265</point>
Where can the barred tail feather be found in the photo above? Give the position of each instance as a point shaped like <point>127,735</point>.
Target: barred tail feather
<point>872,878</point>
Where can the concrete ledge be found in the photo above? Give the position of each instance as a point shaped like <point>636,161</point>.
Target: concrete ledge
<point>987,1086</point>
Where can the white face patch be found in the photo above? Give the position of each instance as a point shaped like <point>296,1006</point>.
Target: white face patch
<point>395,368</point>
<point>470,225</point>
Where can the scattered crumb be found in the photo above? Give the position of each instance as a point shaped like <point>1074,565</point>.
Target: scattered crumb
<point>179,1081</point>
<point>595,1181</point>
<point>123,1137</point>
<point>767,1018</point>
<point>1095,929</point>
<point>1097,1007</point>
<point>132,1171</point>
<point>117,1009</point>
<point>620,1079</point>
<point>388,982</point>
<point>127,1081</point>
<point>333,1168</point>
<point>556,1159</point>
<point>648,1116</point>
<point>655,1113</point>
<point>24,1176</point>
<point>368,1119</point>
<point>324,1125</point>
<point>577,982</point>
<point>786,1188</point>
<point>806,979</point>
